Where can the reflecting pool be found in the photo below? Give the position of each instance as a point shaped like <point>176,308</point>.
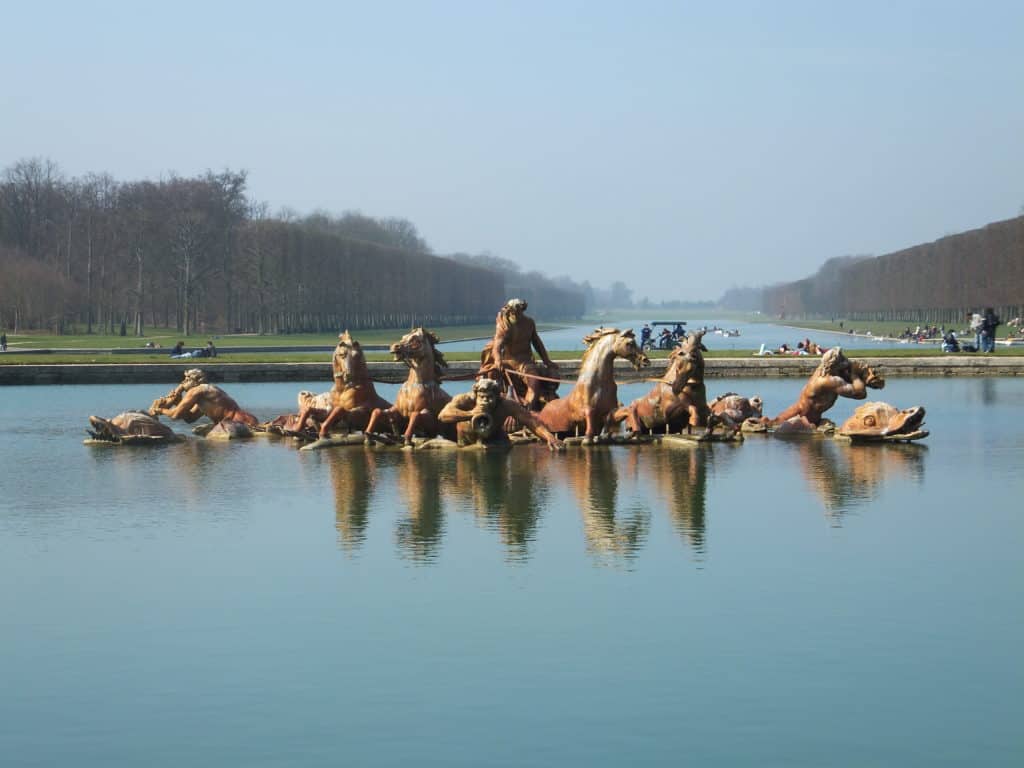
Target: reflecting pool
<point>801,602</point>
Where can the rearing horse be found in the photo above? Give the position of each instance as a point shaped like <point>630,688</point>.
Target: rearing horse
<point>353,396</point>
<point>420,398</point>
<point>595,396</point>
<point>663,405</point>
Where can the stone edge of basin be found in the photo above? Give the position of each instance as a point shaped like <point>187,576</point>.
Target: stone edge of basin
<point>738,368</point>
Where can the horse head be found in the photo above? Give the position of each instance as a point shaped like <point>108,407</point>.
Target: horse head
<point>417,350</point>
<point>348,362</point>
<point>682,363</point>
<point>618,343</point>
<point>693,344</point>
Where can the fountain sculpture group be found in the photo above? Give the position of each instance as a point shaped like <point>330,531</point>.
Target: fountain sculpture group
<point>514,399</point>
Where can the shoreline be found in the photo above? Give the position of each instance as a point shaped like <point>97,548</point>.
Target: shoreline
<point>776,366</point>
<point>1007,341</point>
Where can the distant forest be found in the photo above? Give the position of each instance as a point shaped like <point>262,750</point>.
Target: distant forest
<point>931,282</point>
<point>197,254</point>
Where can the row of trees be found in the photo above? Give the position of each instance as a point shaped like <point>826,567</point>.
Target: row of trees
<point>197,254</point>
<point>932,282</point>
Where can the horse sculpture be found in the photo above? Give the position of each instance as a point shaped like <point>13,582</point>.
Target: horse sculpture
<point>420,399</point>
<point>594,398</point>
<point>679,399</point>
<point>353,396</point>
<point>663,405</point>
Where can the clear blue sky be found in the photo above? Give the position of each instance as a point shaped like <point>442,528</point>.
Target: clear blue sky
<point>682,147</point>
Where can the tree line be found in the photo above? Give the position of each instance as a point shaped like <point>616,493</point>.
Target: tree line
<point>932,282</point>
<point>198,255</point>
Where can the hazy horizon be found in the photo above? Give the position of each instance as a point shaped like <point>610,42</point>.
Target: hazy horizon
<point>738,145</point>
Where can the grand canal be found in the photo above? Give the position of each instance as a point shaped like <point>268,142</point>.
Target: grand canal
<point>778,602</point>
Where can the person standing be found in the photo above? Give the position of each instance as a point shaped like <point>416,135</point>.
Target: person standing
<point>976,321</point>
<point>3,341</point>
<point>989,323</point>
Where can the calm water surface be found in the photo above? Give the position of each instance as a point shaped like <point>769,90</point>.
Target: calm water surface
<point>752,335</point>
<point>775,603</point>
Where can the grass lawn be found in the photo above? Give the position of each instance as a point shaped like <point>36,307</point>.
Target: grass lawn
<point>877,327</point>
<point>168,338</point>
<point>60,358</point>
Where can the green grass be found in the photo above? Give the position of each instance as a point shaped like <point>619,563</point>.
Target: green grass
<point>64,358</point>
<point>168,338</point>
<point>877,327</point>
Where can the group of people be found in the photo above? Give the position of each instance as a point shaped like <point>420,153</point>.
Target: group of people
<point>666,339</point>
<point>178,351</point>
<point>805,347</point>
<point>983,325</point>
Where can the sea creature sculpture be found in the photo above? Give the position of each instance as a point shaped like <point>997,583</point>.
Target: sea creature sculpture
<point>131,428</point>
<point>594,398</point>
<point>317,407</point>
<point>739,412</point>
<point>421,398</point>
<point>877,421</point>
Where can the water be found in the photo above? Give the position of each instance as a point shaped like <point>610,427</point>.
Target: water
<point>774,603</point>
<point>752,335</point>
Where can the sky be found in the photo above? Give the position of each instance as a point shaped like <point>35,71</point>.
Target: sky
<point>684,148</point>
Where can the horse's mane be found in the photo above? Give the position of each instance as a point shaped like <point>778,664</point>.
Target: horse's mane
<point>598,334</point>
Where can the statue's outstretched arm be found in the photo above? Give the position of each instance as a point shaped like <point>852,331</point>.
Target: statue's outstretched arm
<point>530,421</point>
<point>855,389</point>
<point>188,409</point>
<point>456,410</point>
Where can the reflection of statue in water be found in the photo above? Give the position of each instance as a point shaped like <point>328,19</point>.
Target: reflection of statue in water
<point>836,376</point>
<point>610,529</point>
<point>506,490</point>
<point>845,476</point>
<point>481,416</point>
<point>511,349</point>
<point>195,398</point>
<point>420,483</point>
<point>353,477</point>
<point>681,477</point>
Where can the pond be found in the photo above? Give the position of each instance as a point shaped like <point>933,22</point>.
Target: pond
<point>796,603</point>
<point>752,335</point>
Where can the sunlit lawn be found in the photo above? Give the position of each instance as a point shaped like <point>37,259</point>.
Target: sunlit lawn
<point>58,358</point>
<point>168,338</point>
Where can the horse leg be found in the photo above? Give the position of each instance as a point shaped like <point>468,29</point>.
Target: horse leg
<point>410,430</point>
<point>588,436</point>
<point>336,413</point>
<point>374,416</point>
